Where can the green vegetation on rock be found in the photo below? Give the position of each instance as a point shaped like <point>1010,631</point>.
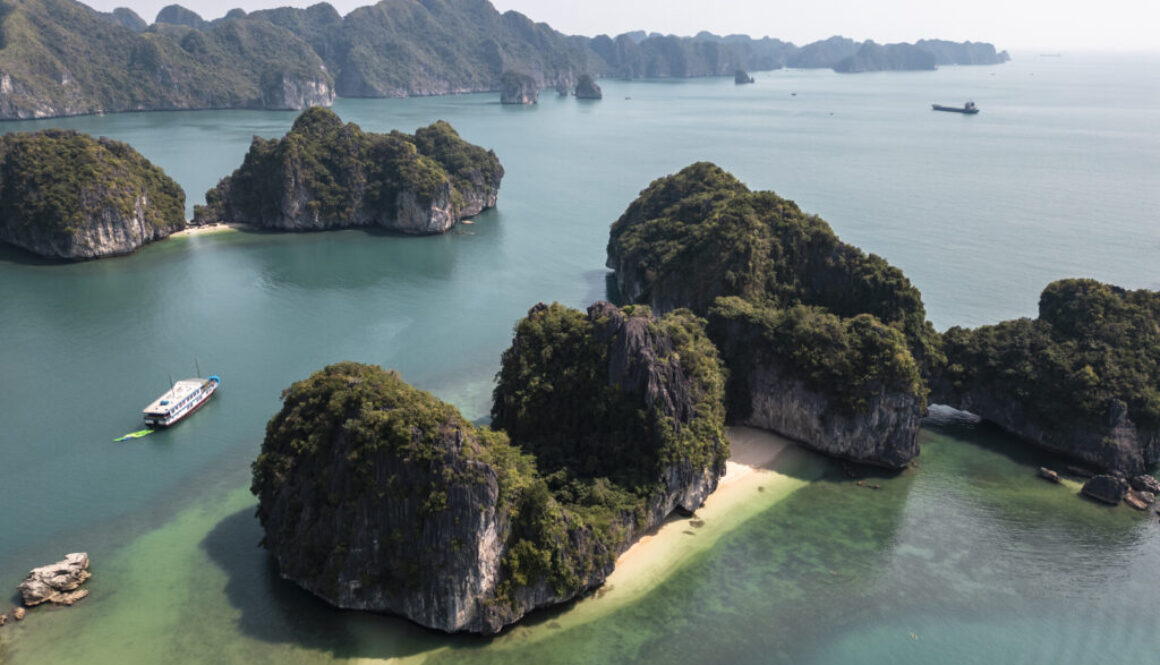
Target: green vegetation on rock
<point>701,234</point>
<point>847,358</point>
<point>558,397</point>
<point>59,57</point>
<point>68,195</point>
<point>375,495</point>
<point>825,343</point>
<point>1083,378</point>
<point>326,174</point>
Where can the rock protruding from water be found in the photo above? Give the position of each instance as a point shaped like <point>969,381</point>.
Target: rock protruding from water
<point>741,77</point>
<point>586,88</point>
<point>377,496</point>
<point>57,583</point>
<point>1145,483</point>
<point>328,175</point>
<point>517,88</point>
<point>1106,488</point>
<point>1139,500</point>
<point>1080,380</point>
<point>67,195</point>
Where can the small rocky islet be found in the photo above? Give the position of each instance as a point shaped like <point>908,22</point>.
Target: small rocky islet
<point>324,174</point>
<point>377,496</point>
<point>67,195</point>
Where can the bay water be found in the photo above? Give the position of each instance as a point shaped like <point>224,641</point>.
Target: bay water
<point>966,558</point>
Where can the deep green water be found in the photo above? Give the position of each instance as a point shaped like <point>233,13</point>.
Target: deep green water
<point>966,559</point>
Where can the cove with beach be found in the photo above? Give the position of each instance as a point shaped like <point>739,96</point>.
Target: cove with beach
<point>169,523</point>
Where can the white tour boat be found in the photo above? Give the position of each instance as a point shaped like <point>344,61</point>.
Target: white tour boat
<point>179,401</point>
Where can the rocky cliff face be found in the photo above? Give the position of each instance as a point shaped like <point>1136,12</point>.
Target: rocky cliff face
<point>373,523</point>
<point>327,175</point>
<point>377,496</point>
<point>62,58</point>
<point>1081,380</point>
<point>1112,443</point>
<point>288,91</point>
<point>586,88</point>
<point>884,433</point>
<point>785,295</point>
<point>66,195</point>
<point>517,88</point>
<point>844,387</point>
<point>873,57</point>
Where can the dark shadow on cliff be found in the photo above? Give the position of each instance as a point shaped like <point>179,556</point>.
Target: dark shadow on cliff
<point>967,427</point>
<point>14,254</point>
<point>278,611</point>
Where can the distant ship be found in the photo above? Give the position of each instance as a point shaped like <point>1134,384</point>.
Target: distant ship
<point>179,401</point>
<point>968,108</point>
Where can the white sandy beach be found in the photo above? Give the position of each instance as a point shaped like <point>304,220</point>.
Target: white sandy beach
<point>207,229</point>
<point>751,484</point>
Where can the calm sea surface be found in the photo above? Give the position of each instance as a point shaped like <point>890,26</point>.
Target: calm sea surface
<point>966,559</point>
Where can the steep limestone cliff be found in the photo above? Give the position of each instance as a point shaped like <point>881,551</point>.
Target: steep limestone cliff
<point>873,57</point>
<point>325,175</point>
<point>1083,379</point>
<point>844,387</point>
<point>700,236</point>
<point>67,195</point>
<point>60,58</point>
<point>518,88</point>
<point>646,377</point>
<point>586,88</point>
<point>377,496</point>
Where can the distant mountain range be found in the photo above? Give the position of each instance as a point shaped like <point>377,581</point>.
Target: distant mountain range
<point>60,57</point>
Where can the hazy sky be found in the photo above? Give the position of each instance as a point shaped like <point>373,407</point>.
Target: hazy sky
<point>1009,24</point>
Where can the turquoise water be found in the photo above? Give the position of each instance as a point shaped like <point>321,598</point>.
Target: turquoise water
<point>963,560</point>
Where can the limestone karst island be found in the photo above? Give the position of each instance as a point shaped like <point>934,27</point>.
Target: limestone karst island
<point>434,332</point>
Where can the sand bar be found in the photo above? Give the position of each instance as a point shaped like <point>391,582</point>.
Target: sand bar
<point>756,477</point>
<point>208,229</point>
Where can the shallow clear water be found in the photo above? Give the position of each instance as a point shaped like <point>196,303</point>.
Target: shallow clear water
<point>966,559</point>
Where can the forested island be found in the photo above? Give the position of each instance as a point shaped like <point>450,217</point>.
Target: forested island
<point>67,195</point>
<point>324,174</point>
<point>824,343</point>
<point>61,58</point>
<point>377,496</point>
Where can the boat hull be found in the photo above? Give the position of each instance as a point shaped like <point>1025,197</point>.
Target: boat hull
<point>954,109</point>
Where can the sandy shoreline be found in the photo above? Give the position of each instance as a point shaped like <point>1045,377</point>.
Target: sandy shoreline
<point>208,229</point>
<point>763,468</point>
<point>756,477</point>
